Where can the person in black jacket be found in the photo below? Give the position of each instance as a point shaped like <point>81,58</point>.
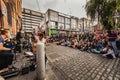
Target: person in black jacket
<point>18,36</point>
<point>6,56</point>
<point>18,40</point>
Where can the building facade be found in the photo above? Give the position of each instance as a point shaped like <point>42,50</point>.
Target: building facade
<point>98,27</point>
<point>58,23</point>
<point>85,25</point>
<point>11,15</point>
<point>31,19</point>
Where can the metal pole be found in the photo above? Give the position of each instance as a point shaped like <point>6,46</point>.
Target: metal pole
<point>83,24</point>
<point>115,23</point>
<point>40,59</point>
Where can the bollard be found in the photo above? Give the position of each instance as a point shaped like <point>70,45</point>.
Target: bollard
<point>40,59</point>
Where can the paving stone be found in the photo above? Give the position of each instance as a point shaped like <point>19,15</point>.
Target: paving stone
<point>102,78</point>
<point>93,75</point>
<point>97,77</point>
<point>110,78</point>
<point>117,75</point>
<point>78,65</point>
<point>116,78</point>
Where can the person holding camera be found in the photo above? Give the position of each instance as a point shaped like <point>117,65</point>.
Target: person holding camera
<point>6,56</point>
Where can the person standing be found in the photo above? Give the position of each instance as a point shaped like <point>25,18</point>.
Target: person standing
<point>112,36</point>
<point>18,36</point>
<point>42,39</point>
<point>18,40</point>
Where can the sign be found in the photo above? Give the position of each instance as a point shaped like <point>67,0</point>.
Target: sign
<point>52,32</point>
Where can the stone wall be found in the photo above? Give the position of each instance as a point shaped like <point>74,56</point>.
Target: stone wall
<point>12,19</point>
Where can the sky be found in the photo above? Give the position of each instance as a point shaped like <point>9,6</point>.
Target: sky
<point>71,7</point>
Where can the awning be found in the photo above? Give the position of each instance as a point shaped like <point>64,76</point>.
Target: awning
<point>3,7</point>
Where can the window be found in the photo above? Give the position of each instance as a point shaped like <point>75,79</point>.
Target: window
<point>53,16</point>
<point>46,16</point>
<point>52,24</point>
<point>67,27</point>
<point>60,26</point>
<point>61,19</point>
<point>67,20</point>
<point>73,24</point>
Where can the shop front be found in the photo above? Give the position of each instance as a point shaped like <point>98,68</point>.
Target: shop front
<point>53,32</point>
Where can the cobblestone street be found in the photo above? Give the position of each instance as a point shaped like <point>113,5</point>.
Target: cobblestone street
<point>72,64</point>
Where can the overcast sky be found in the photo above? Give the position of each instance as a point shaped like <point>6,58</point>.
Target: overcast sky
<point>71,7</point>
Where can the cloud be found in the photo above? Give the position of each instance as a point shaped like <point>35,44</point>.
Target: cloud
<point>45,4</point>
<point>73,7</point>
<point>29,4</point>
<point>50,3</point>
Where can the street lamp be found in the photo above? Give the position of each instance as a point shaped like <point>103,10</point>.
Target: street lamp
<point>83,24</point>
<point>116,16</point>
<point>116,21</point>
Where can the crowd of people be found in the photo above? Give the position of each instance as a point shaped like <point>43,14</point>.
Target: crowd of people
<point>107,44</point>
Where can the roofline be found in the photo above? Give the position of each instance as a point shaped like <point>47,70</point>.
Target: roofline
<point>32,10</point>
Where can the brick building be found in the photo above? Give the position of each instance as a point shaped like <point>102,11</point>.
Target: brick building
<point>11,15</point>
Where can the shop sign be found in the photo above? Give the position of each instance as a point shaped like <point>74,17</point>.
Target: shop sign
<point>54,32</point>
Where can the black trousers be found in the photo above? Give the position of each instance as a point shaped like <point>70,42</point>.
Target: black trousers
<point>6,58</point>
<point>109,56</point>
